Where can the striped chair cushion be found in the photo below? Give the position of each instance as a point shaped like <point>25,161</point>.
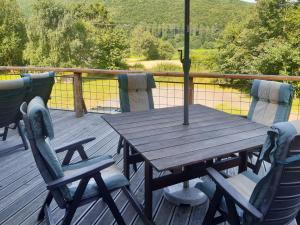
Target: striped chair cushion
<point>12,84</point>
<point>271,102</point>
<point>269,194</point>
<point>275,148</point>
<point>136,92</point>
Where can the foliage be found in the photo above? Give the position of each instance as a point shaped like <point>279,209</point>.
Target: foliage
<point>12,33</point>
<point>164,18</point>
<point>165,50</point>
<point>143,43</point>
<point>74,36</point>
<point>267,42</point>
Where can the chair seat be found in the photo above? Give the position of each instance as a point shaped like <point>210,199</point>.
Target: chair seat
<point>112,177</point>
<point>244,183</point>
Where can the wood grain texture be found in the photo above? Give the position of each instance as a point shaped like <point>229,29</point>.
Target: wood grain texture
<point>163,141</point>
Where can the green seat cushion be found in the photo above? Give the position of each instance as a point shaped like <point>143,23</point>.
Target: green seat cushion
<point>112,177</point>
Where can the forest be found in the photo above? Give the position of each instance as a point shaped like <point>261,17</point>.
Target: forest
<point>227,36</point>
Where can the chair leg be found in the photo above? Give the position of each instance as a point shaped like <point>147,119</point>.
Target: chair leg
<point>4,135</point>
<point>21,133</point>
<point>114,209</point>
<point>213,207</point>
<point>69,216</point>
<point>120,145</point>
<point>136,205</point>
<point>47,202</point>
<point>108,200</point>
<point>71,209</point>
<point>233,217</point>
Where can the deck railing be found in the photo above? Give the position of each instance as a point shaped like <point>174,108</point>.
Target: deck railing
<point>94,90</point>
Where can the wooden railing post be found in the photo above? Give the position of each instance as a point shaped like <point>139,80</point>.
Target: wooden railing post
<point>79,105</point>
<point>191,90</point>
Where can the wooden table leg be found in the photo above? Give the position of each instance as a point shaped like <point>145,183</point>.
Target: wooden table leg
<point>243,161</point>
<point>148,190</point>
<point>125,160</point>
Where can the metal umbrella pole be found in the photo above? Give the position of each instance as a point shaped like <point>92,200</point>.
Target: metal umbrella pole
<point>186,60</point>
<point>186,193</point>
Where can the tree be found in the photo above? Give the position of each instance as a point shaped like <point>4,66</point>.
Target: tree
<point>165,50</point>
<point>77,35</point>
<point>267,42</point>
<point>12,33</point>
<point>143,43</point>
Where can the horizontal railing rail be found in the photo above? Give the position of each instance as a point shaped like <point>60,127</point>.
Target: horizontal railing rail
<point>96,90</point>
<point>158,74</point>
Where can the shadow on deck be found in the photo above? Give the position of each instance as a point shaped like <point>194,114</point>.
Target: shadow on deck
<point>22,190</point>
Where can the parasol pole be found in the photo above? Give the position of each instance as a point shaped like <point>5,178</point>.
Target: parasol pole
<point>186,60</point>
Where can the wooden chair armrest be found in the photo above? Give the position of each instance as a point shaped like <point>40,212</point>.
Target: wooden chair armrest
<point>74,145</point>
<point>233,194</point>
<point>78,174</point>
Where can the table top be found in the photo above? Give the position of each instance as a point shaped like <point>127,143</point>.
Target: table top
<point>161,138</point>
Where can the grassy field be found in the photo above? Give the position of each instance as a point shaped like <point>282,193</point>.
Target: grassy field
<point>202,61</point>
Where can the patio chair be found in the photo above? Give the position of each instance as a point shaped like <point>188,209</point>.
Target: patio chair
<point>12,94</point>
<point>135,96</point>
<point>249,199</point>
<point>70,184</point>
<point>42,84</point>
<point>271,103</point>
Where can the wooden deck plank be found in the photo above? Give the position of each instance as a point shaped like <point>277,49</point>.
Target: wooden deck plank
<point>17,216</point>
<point>104,143</point>
<point>181,215</point>
<point>38,177</point>
<point>22,190</point>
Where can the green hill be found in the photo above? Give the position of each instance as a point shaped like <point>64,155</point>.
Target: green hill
<point>204,12</point>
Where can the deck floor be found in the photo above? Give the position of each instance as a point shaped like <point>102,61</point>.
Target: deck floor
<point>22,190</point>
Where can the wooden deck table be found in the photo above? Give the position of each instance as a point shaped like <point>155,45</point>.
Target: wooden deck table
<point>161,140</point>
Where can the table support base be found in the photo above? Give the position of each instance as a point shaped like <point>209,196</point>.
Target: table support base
<point>180,195</point>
